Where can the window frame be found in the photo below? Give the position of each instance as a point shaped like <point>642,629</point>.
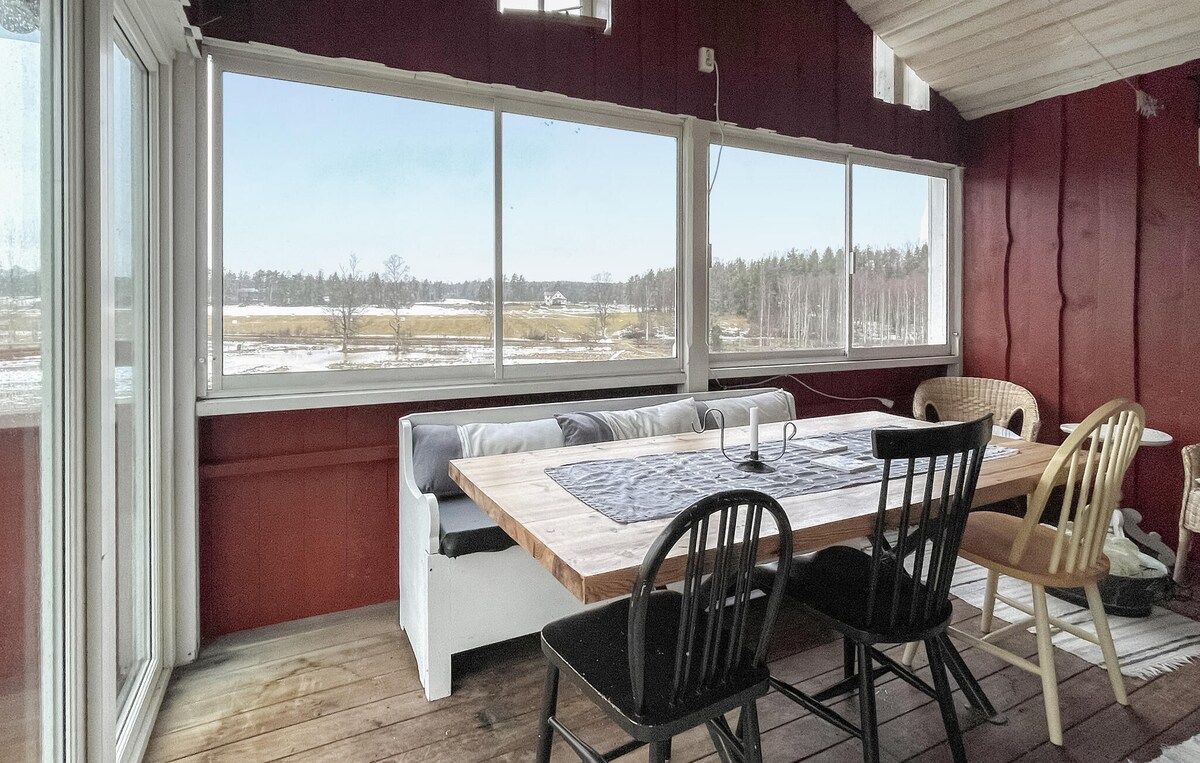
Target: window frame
<point>498,100</point>
<point>800,148</point>
<point>693,366</point>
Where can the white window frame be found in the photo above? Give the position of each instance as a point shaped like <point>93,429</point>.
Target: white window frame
<point>693,365</point>
<point>726,364</point>
<point>499,101</point>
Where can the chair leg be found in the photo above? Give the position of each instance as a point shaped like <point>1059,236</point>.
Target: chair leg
<point>1104,635</point>
<point>660,752</point>
<point>751,737</point>
<point>910,653</point>
<point>989,601</point>
<point>1041,614</point>
<point>549,704</point>
<point>847,657</point>
<point>937,668</point>
<point>1181,553</point>
<point>866,704</point>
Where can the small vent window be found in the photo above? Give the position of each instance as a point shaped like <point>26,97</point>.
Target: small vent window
<point>896,82</point>
<point>593,13</point>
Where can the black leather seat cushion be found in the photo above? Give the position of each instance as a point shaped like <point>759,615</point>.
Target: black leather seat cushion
<point>836,582</point>
<point>465,529</point>
<point>595,646</point>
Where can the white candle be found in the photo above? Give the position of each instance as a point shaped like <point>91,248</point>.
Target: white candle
<point>754,429</point>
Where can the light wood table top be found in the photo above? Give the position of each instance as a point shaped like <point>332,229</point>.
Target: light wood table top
<point>597,558</point>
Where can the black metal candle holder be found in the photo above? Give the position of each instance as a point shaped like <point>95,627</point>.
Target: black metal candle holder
<point>755,464</point>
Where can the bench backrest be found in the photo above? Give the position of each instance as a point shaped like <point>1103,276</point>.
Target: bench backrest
<point>509,413</point>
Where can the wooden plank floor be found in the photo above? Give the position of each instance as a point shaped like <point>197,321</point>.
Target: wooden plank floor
<point>344,688</point>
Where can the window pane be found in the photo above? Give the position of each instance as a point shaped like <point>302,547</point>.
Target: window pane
<point>900,258</point>
<point>778,277</point>
<point>358,230</point>
<point>131,381</point>
<point>589,242</point>
<point>24,350</point>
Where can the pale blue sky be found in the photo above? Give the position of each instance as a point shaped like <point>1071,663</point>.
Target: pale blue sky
<point>314,174</point>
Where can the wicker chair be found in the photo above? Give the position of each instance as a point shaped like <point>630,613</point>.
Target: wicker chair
<point>1189,516</point>
<point>966,398</point>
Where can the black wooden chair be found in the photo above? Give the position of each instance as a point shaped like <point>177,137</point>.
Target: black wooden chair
<point>899,594</point>
<point>664,661</point>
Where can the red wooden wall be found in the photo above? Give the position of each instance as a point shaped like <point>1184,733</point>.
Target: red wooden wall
<point>20,598</point>
<point>1082,264</point>
<point>800,67</point>
<point>298,508</point>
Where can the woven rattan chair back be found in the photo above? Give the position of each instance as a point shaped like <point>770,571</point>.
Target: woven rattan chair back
<point>1091,462</point>
<point>939,468</point>
<point>966,398</point>
<point>714,636</point>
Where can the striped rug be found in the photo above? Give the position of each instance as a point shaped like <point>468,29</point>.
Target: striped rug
<point>1147,646</point>
<point>1188,752</point>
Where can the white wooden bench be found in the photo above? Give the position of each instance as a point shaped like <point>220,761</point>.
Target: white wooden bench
<point>463,584</point>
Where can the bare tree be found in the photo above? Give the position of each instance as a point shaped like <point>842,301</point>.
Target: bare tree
<point>396,296</point>
<point>603,291</point>
<point>345,304</point>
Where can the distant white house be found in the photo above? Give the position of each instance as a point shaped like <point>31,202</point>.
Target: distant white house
<point>554,298</point>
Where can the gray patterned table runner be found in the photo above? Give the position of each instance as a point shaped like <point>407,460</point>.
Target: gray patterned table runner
<point>664,484</point>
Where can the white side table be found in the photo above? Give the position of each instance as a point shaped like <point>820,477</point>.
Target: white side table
<point>1150,437</point>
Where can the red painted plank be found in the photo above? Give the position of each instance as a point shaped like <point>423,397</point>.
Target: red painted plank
<point>815,98</point>
<point>985,233</point>
<point>1099,249</point>
<point>1034,304</point>
<point>618,61</point>
<point>1169,290</point>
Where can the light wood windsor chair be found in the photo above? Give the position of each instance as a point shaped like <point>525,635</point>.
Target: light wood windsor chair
<point>1092,464</point>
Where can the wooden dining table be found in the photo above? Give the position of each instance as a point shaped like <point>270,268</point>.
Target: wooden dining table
<point>596,558</point>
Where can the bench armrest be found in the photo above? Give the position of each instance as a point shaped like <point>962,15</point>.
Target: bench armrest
<point>419,519</point>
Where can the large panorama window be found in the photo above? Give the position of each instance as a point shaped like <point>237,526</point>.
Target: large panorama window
<point>779,278</point>
<point>371,234</point>
<point>364,232</point>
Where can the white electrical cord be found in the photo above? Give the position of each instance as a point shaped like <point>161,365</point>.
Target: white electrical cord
<point>720,128</point>
<point>885,402</point>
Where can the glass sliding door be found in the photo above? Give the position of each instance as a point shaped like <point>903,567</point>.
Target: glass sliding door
<point>131,465</point>
<point>25,338</point>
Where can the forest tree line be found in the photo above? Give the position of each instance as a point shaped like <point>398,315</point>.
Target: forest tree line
<point>795,298</point>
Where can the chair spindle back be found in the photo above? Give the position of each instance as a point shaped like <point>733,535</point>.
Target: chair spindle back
<point>1092,461</point>
<point>939,468</point>
<point>714,637</point>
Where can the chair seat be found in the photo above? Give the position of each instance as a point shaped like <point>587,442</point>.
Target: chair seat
<point>988,541</point>
<point>593,645</point>
<point>835,583</point>
<point>464,528</point>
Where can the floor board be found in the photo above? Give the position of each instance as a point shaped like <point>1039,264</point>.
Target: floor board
<point>343,688</point>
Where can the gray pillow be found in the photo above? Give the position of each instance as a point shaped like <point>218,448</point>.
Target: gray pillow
<point>584,428</point>
<point>434,447</point>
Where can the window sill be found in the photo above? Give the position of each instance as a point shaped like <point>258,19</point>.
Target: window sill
<point>750,370</point>
<point>221,404</point>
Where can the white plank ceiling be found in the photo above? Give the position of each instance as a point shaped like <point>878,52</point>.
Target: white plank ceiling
<point>991,55</point>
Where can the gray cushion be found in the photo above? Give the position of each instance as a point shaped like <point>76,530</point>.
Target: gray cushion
<point>434,446</point>
<point>584,428</point>
<point>465,529</point>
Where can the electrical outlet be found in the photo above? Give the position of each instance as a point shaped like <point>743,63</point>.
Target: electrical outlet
<point>708,60</point>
